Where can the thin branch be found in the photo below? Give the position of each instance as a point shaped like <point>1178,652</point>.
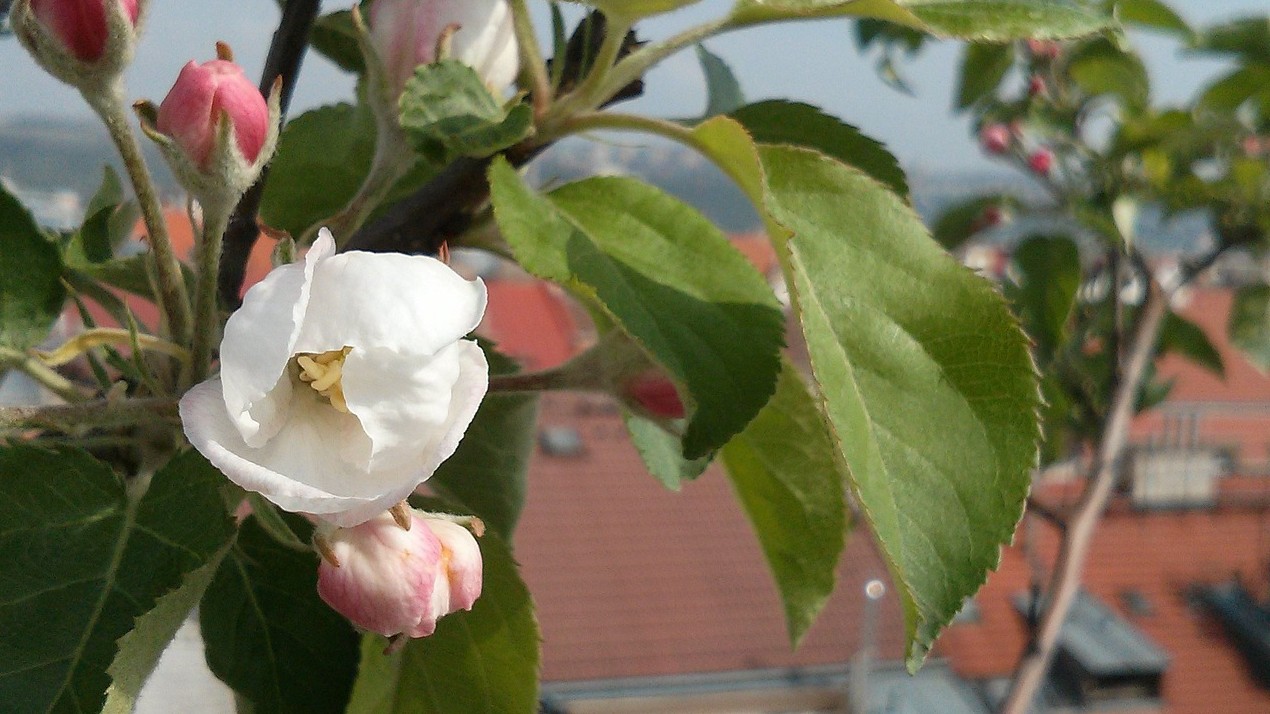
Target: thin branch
<point>99,413</point>
<point>1078,538</point>
<point>286,53</point>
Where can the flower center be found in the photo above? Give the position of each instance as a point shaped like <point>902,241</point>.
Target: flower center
<point>322,372</point>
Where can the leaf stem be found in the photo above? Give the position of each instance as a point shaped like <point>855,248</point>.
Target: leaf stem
<point>532,63</point>
<point>170,293</point>
<point>44,375</point>
<point>598,84</point>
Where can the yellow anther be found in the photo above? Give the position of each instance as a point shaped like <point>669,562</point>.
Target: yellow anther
<point>322,372</point>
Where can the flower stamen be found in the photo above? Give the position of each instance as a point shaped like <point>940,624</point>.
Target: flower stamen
<point>322,372</point>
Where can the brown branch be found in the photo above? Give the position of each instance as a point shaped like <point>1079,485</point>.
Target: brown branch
<point>100,413</point>
<point>1065,583</point>
<point>286,53</point>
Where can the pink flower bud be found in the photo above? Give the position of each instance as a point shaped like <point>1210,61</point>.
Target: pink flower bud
<point>1041,162</point>
<point>396,581</point>
<point>995,138</point>
<point>405,34</point>
<point>1044,49</point>
<point>80,25</point>
<point>1036,86</point>
<point>203,94</point>
<point>656,394</point>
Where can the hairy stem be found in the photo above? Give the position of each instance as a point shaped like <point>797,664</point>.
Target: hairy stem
<point>1079,535</point>
<point>206,315</point>
<point>98,413</point>
<point>173,301</point>
<point>44,375</point>
<point>531,61</point>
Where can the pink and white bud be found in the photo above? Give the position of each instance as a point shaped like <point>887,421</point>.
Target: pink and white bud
<point>406,33</point>
<point>202,96</point>
<point>995,138</point>
<point>656,394</point>
<point>81,25</point>
<point>1041,162</point>
<point>390,580</point>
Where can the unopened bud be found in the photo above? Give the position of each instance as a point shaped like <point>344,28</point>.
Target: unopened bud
<point>478,33</point>
<point>397,581</point>
<point>995,138</point>
<point>84,43</point>
<point>1041,162</point>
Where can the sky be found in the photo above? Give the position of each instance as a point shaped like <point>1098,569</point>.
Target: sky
<point>815,62</point>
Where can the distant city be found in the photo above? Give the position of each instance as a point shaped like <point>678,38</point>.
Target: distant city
<point>54,165</point>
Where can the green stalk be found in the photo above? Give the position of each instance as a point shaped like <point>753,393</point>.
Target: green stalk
<point>171,296</point>
<point>531,59</point>
<point>206,315</point>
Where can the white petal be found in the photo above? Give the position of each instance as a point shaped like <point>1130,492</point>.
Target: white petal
<point>260,339</point>
<point>415,409</point>
<point>306,468</point>
<point>412,305</point>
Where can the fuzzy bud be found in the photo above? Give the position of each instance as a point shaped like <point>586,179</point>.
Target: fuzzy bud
<point>995,138</point>
<point>478,33</point>
<point>85,43</point>
<point>215,128</point>
<point>1041,162</point>
<point>653,393</point>
<point>392,580</point>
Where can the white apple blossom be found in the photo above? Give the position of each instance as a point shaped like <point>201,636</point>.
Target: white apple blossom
<point>344,382</point>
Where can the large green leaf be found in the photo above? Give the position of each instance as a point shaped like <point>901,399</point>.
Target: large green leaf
<point>489,473</point>
<point>82,557</point>
<point>992,20</point>
<point>786,475</point>
<point>335,36</point>
<point>635,9</point>
<point>479,662</point>
<point>1249,324</point>
<point>1247,38</point>
<point>640,254</point>
<point>31,292</point>
<point>781,122</point>
<point>924,375</point>
<point>983,66</point>
<point>446,110</point>
<point>269,636</point>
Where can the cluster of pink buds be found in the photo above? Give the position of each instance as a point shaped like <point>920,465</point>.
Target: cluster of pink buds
<point>400,572</point>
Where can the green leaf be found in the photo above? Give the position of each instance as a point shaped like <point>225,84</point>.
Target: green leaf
<point>635,9</point>
<point>1249,324</point>
<point>31,292</point>
<point>480,662</point>
<point>786,476</point>
<point>723,91</point>
<point>335,36</point>
<point>1232,90</point>
<point>323,156</point>
<point>84,556</point>
<point>445,104</point>
<point>639,253</point>
<point>489,472</point>
<point>101,230</point>
<point>988,20</point>
<point>1099,67</point>
<point>1045,293</point>
<point>140,649</point>
<point>796,124</point>
<point>924,375</point>
<point>1183,337</point>
<point>662,453</point>
<point>1246,38</point>
<point>267,633</point>
<point>1153,14</point>
<point>983,66</point>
